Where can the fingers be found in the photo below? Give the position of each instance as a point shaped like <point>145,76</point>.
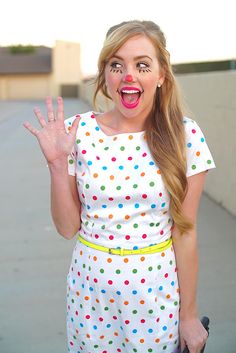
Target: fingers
<point>50,111</point>
<point>74,126</point>
<point>39,116</point>
<point>60,109</point>
<point>29,127</point>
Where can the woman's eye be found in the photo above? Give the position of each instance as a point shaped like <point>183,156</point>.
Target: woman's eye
<point>115,65</point>
<point>143,67</point>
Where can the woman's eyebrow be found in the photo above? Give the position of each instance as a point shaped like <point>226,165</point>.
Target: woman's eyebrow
<point>135,58</point>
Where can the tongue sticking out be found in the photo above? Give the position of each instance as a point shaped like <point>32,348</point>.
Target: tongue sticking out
<point>130,98</point>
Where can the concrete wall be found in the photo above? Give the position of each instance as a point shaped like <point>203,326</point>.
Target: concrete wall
<point>211,98</point>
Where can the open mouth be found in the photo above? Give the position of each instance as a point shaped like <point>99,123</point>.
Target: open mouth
<point>130,96</point>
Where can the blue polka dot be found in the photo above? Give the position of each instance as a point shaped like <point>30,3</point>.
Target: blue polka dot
<point>135,247</point>
<point>163,204</point>
<point>81,325</point>
<point>103,291</point>
<point>161,288</point>
<point>136,205</point>
<point>73,281</point>
<point>97,128</point>
<point>120,205</point>
<point>104,206</point>
<point>91,289</point>
<point>82,286</point>
<point>151,163</point>
<point>79,162</point>
<point>164,328</point>
<point>136,166</point>
<point>189,144</point>
<point>153,205</point>
<point>150,330</point>
<point>108,325</point>
<point>104,167</point>
<point>71,319</point>
<point>172,283</point>
<point>135,330</point>
<point>95,327</point>
<point>202,139</point>
<point>149,290</point>
<point>118,292</point>
<point>83,123</point>
<point>121,167</point>
<point>90,162</point>
<point>134,292</point>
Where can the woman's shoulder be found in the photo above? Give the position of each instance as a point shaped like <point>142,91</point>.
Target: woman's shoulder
<point>81,116</point>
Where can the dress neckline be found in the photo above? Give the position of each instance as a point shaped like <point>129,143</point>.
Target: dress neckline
<point>137,133</point>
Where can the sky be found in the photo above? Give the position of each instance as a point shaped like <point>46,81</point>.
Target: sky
<point>195,30</point>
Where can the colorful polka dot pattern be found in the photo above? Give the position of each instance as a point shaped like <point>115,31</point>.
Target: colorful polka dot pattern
<point>124,304</point>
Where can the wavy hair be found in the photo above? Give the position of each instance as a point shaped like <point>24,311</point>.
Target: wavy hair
<point>165,133</point>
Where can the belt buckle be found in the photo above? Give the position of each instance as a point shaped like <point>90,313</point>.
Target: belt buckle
<point>110,251</point>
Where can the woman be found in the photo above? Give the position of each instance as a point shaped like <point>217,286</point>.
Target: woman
<point>136,174</point>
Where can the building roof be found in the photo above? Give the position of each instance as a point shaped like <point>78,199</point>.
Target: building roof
<point>38,62</point>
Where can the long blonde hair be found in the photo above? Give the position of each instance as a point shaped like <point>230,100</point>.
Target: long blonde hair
<point>165,134</point>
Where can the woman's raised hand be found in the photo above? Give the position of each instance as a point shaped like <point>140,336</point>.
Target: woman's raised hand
<point>56,144</point>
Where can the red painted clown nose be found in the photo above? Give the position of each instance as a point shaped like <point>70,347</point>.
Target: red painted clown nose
<point>129,78</point>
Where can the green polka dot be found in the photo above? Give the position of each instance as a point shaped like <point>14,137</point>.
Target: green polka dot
<point>164,347</point>
<point>78,141</point>
<point>208,161</point>
<point>118,271</point>
<point>118,226</point>
<point>119,311</point>
<point>101,270</point>
<point>171,262</point>
<point>152,183</point>
<point>81,306</point>
<point>135,186</point>
<point>96,346</point>
<point>74,337</point>
<point>71,161</point>
<point>149,349</point>
<point>135,350</point>
<point>151,224</point>
<point>87,186</point>
<point>122,148</point>
<point>83,343</point>
<point>84,265</point>
<point>110,342</point>
<point>157,224</point>
<point>162,307</point>
<point>193,166</point>
<point>138,148</point>
<point>72,300</point>
<point>118,187</point>
<point>134,311</point>
<point>135,270</point>
<point>93,144</point>
<point>159,267</point>
<point>106,308</point>
<point>103,187</point>
<point>93,308</point>
<point>135,225</point>
<point>150,268</point>
<point>175,303</point>
<point>106,148</point>
<point>89,268</point>
<point>150,311</point>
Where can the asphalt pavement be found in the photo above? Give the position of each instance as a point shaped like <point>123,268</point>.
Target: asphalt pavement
<point>34,259</point>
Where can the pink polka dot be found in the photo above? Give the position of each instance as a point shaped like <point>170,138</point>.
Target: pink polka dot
<point>193,131</point>
<point>127,237</point>
<point>113,159</point>
<point>111,237</point>
<point>87,317</point>
<point>144,154</point>
<point>110,282</point>
<point>98,158</point>
<point>130,158</point>
<point>144,196</point>
<point>166,275</point>
<point>144,236</point>
<point>84,151</point>
<point>126,282</point>
<point>95,198</point>
<point>143,280</point>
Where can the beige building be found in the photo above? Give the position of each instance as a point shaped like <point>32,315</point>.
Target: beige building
<point>46,71</point>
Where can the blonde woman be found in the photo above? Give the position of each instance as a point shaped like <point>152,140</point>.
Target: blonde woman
<point>127,182</point>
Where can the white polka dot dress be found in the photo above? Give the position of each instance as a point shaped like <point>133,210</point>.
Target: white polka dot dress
<point>124,303</point>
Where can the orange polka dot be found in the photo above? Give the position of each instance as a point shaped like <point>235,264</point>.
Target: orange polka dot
<point>83,173</point>
<point>95,175</point>
<point>95,258</point>
<point>142,258</point>
<point>115,138</point>
<point>112,177</point>
<point>100,140</point>
<point>170,336</point>
<point>86,297</point>
<point>97,300</point>
<point>110,216</point>
<point>112,301</point>
<point>167,296</point>
<point>126,260</point>
<point>198,153</point>
<point>177,290</point>
<point>127,178</point>
<point>126,303</point>
<point>158,171</point>
<point>141,340</point>
<point>127,340</point>
<point>155,299</point>
<point>142,174</point>
<point>88,335</point>
<point>143,214</point>
<point>157,340</point>
<point>102,337</point>
<point>127,217</point>
<point>130,137</point>
<point>116,334</point>
<point>87,133</point>
<point>78,294</point>
<point>96,216</point>
<point>109,260</point>
<point>163,254</point>
<point>142,302</point>
<point>69,128</point>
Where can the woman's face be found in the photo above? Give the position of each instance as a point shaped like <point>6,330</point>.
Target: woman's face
<point>132,75</point>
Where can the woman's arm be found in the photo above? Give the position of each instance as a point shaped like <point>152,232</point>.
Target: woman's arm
<point>192,332</point>
<point>65,203</point>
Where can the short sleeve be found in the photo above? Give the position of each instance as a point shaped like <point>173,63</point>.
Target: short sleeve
<point>199,157</point>
<point>73,154</point>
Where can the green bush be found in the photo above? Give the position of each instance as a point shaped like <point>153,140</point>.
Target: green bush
<point>21,49</point>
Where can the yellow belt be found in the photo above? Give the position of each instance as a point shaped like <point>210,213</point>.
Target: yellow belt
<point>122,252</point>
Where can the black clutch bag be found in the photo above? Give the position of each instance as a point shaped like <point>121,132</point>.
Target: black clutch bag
<point>205,322</point>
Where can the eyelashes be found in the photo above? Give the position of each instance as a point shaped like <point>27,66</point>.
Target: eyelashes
<point>115,67</point>
<point>144,70</point>
<point>116,70</point>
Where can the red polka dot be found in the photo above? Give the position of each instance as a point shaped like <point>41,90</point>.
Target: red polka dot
<point>144,196</point>
<point>127,237</point>
<point>111,237</point>
<point>126,282</point>
<point>95,198</point>
<point>87,317</point>
<point>98,158</point>
<point>160,194</point>
<point>110,282</point>
<point>143,280</point>
<point>101,319</point>
<point>166,275</point>
<point>144,236</point>
<point>95,280</point>
<point>144,154</point>
<point>113,159</point>
<point>127,322</point>
<point>84,151</point>
<point>142,321</point>
<point>193,131</point>
<point>130,158</point>
<point>71,343</point>
<point>170,316</point>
